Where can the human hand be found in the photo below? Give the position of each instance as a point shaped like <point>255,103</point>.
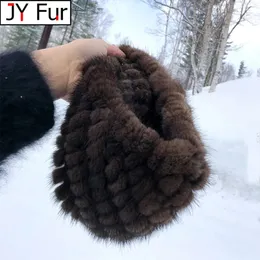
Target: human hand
<point>62,65</point>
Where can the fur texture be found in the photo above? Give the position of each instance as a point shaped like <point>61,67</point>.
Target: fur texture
<point>129,157</point>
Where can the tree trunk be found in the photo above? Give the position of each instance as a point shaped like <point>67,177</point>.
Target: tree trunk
<point>214,50</point>
<point>212,69</point>
<point>187,80</point>
<point>176,46</point>
<point>73,26</point>
<point>194,44</point>
<point>45,37</point>
<point>224,38</point>
<point>193,63</point>
<point>162,55</point>
<point>64,35</point>
<point>205,47</point>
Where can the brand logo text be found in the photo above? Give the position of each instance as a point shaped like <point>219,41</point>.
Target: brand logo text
<point>35,13</point>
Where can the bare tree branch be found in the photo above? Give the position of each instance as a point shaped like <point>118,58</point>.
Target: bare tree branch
<point>186,19</point>
<point>245,8</point>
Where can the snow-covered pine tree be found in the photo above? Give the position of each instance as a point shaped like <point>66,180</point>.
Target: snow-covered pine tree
<point>4,32</point>
<point>226,11</point>
<point>206,35</point>
<point>24,37</point>
<point>200,29</point>
<point>242,70</point>
<point>179,29</point>
<point>101,24</point>
<point>227,17</point>
<point>213,63</point>
<point>84,20</point>
<point>187,36</point>
<point>258,73</point>
<point>227,49</point>
<point>185,64</point>
<point>228,73</point>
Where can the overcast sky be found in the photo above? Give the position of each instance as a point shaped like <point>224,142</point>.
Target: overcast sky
<point>132,19</point>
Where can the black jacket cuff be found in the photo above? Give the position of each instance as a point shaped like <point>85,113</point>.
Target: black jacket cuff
<point>26,104</point>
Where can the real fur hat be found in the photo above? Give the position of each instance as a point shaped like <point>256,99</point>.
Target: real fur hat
<point>129,157</point>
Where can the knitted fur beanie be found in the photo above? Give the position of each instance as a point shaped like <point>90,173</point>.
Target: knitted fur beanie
<point>129,157</point>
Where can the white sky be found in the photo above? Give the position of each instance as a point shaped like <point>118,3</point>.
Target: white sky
<point>132,19</point>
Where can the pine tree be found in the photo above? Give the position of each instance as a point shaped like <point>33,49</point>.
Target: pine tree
<point>227,49</point>
<point>185,65</point>
<point>228,73</point>
<point>24,37</point>
<point>82,23</point>
<point>242,70</point>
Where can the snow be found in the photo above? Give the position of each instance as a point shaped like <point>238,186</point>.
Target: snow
<point>224,224</point>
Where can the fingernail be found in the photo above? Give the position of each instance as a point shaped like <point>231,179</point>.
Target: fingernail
<point>121,53</point>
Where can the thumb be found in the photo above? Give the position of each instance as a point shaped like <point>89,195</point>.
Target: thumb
<point>113,50</point>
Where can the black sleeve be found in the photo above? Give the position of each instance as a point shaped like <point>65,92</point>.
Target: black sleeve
<point>26,104</point>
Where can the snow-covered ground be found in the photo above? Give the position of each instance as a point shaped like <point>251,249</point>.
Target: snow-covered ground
<point>225,225</point>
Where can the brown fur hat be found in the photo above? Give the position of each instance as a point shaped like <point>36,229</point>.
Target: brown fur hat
<point>129,157</point>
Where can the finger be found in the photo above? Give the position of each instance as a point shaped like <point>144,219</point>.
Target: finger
<point>113,50</point>
<point>67,98</point>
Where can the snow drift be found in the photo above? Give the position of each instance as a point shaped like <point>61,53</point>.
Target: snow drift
<point>225,225</point>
